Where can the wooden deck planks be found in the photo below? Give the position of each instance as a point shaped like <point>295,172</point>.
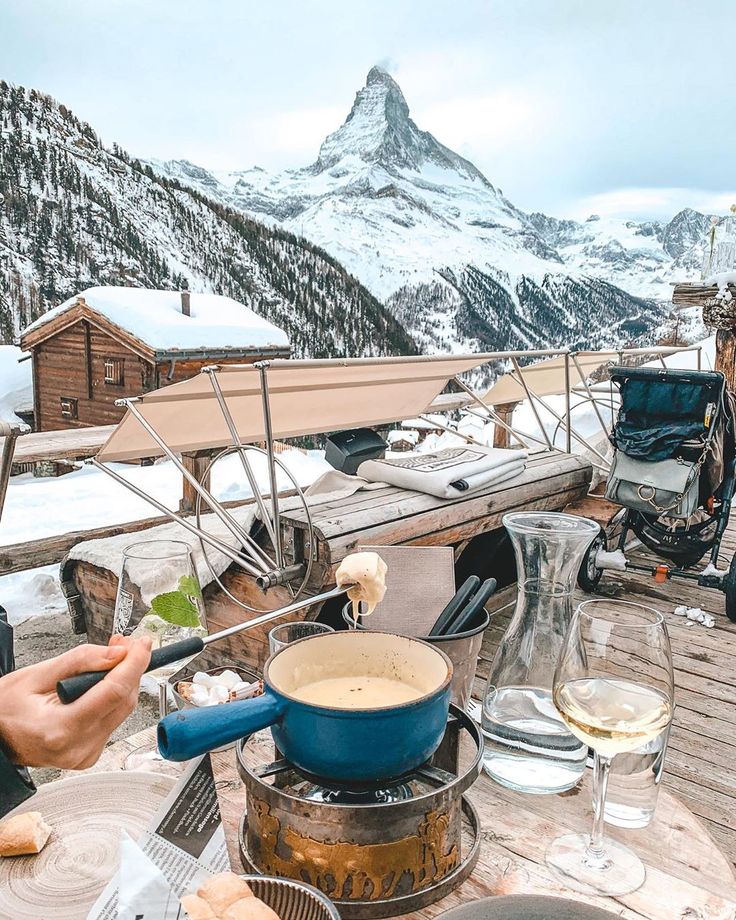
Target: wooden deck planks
<point>701,761</point>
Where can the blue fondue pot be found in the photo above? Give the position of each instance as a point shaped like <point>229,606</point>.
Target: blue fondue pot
<point>344,745</point>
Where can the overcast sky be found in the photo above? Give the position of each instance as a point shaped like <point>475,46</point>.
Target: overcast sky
<point>623,107</point>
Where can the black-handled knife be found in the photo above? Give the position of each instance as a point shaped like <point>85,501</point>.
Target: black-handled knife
<point>456,604</point>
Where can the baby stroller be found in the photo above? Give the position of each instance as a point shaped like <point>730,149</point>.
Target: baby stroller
<point>673,471</point>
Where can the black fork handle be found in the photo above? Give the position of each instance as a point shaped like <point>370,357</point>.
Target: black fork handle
<point>71,688</point>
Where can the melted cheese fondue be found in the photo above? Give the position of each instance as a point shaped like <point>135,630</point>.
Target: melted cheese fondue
<point>357,692</point>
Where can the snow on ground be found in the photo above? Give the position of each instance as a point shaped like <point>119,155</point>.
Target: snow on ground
<point>16,383</point>
<point>88,498</point>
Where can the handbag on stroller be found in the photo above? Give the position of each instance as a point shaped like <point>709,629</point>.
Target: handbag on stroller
<point>673,471</point>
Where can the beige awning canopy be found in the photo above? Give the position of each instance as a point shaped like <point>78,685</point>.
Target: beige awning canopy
<point>306,397</point>
<point>547,378</point>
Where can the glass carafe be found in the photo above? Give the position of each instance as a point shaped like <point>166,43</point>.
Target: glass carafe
<point>527,746</point>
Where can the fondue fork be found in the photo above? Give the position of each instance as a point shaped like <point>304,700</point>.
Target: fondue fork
<point>71,688</point>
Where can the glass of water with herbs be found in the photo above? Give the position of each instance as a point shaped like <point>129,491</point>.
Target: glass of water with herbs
<point>159,596</point>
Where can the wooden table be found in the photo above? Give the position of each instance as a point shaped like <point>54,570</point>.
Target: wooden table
<point>688,878</point>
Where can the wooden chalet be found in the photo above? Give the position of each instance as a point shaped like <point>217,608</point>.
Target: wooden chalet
<point>111,342</point>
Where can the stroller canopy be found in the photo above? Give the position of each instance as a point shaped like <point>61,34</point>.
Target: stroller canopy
<point>662,409</point>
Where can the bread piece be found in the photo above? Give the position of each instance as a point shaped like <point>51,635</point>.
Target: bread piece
<point>224,889</point>
<point>367,573</point>
<point>249,909</point>
<point>23,835</point>
<point>197,908</point>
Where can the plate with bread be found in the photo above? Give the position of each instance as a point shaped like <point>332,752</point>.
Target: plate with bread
<point>60,848</point>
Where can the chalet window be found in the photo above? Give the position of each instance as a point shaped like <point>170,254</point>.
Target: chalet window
<point>69,407</point>
<point>114,371</point>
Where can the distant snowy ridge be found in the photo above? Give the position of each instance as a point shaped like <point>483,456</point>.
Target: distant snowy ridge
<point>457,263</point>
<point>75,214</point>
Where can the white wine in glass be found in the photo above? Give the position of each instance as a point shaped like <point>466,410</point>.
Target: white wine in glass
<point>614,689</point>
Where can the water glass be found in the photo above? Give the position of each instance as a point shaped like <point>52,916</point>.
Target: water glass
<point>159,596</point>
<point>285,633</point>
<point>633,784</point>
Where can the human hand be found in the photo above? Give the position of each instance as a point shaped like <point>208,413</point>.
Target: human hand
<point>38,730</point>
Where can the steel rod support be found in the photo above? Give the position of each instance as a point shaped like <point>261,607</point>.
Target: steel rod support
<point>213,541</point>
<point>268,431</point>
<point>247,469</point>
<point>235,529</point>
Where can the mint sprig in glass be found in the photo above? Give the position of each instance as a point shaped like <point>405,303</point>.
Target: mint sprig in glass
<point>159,596</point>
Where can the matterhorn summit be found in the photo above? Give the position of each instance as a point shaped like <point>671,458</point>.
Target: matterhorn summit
<point>456,262</point>
<point>379,130</point>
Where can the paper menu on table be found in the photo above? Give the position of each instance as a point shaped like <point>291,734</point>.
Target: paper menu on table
<point>184,842</point>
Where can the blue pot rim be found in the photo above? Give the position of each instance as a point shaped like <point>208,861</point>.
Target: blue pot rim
<point>399,709</point>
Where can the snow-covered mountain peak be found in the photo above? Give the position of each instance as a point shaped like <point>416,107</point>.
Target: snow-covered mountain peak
<point>379,130</point>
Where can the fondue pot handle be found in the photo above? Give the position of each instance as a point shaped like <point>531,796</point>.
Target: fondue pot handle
<point>191,732</point>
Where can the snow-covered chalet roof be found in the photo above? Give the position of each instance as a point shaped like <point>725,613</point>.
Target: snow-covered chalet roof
<point>215,323</point>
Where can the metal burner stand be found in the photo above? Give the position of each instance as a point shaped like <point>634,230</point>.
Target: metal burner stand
<point>373,860</point>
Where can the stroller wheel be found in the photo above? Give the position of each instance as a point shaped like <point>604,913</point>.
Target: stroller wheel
<point>589,574</point>
<point>729,587</point>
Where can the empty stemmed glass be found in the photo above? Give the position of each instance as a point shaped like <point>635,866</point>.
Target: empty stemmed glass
<point>159,596</point>
<point>614,688</point>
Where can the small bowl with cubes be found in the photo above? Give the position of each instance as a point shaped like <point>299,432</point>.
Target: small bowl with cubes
<point>192,687</point>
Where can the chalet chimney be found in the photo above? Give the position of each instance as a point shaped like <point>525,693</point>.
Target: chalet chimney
<point>185,307</point>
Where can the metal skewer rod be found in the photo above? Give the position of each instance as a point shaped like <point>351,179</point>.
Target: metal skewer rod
<point>213,541</point>
<point>268,430</point>
<point>247,469</point>
<point>235,529</point>
<point>275,614</point>
<point>71,688</point>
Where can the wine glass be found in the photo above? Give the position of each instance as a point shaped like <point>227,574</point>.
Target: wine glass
<point>613,687</point>
<point>159,596</point>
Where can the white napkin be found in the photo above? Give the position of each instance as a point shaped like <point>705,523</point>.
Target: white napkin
<point>472,468</point>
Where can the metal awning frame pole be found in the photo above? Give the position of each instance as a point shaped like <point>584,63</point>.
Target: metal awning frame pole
<point>494,416</point>
<point>489,414</point>
<point>568,427</point>
<point>584,381</point>
<point>235,529</point>
<point>568,406</point>
<point>268,431</point>
<point>213,541</point>
<point>522,381</point>
<point>247,469</point>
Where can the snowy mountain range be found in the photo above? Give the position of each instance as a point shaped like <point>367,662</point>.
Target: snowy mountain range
<point>388,242</point>
<point>454,260</point>
<point>75,214</point>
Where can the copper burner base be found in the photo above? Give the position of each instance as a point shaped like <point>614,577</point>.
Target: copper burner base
<point>376,851</point>
<point>391,907</point>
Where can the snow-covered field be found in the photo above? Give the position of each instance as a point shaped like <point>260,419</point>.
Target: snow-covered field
<point>88,498</point>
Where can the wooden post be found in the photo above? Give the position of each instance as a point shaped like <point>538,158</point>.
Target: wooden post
<point>718,313</point>
<point>196,464</point>
<point>502,437</point>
